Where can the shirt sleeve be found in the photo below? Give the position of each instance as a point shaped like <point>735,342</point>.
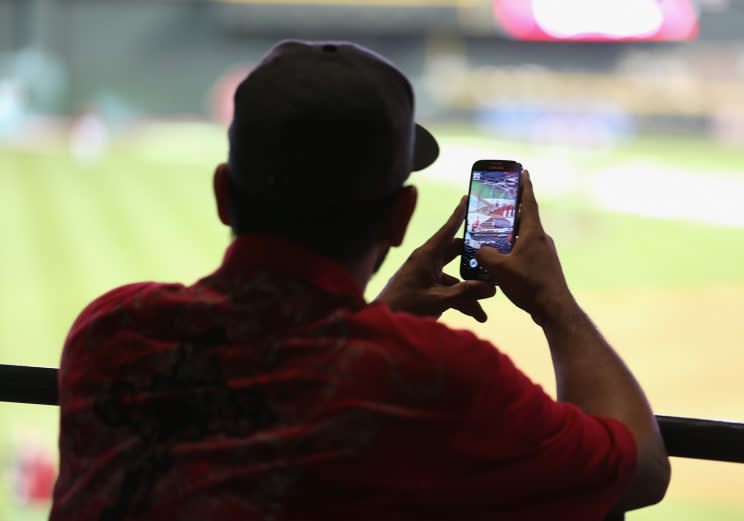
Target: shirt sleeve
<point>549,453</point>
<point>88,335</point>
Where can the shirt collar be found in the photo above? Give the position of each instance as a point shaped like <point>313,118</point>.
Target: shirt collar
<point>250,254</point>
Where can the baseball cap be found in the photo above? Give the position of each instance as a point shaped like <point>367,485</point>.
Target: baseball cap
<point>322,122</point>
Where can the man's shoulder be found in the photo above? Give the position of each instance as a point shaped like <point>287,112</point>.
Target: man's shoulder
<point>413,328</point>
<point>458,348</point>
<point>117,301</point>
<point>128,294</point>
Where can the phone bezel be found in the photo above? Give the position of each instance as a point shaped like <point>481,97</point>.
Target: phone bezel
<point>490,165</point>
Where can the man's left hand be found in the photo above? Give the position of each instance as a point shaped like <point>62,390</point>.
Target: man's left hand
<point>422,288</point>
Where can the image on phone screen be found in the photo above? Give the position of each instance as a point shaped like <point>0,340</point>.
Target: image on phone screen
<point>492,209</point>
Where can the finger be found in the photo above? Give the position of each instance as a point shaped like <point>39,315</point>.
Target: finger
<point>449,228</point>
<point>489,256</point>
<point>473,288</point>
<point>464,298</point>
<point>466,290</point>
<point>448,280</point>
<point>529,215</point>
<point>472,308</point>
<point>480,289</point>
<point>495,262</point>
<point>453,249</point>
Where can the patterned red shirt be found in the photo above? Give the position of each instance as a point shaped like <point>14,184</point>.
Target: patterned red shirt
<point>270,390</point>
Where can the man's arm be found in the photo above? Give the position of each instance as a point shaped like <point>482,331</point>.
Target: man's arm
<point>591,375</point>
<point>588,372</point>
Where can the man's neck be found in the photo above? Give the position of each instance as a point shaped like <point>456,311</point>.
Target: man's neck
<point>362,268</point>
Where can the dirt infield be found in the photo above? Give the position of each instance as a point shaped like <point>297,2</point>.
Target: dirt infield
<point>686,346</point>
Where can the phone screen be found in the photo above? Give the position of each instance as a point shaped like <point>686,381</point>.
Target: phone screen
<point>493,202</point>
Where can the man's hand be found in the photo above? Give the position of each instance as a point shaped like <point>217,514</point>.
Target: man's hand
<point>531,275</point>
<point>422,288</point>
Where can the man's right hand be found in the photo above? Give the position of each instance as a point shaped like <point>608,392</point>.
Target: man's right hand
<point>531,275</point>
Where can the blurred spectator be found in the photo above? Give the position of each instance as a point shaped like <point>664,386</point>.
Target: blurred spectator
<point>89,136</point>
<point>12,107</point>
<point>34,472</point>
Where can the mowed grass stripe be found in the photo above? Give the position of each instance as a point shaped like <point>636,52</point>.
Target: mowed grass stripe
<point>89,261</point>
<point>18,280</point>
<point>190,197</point>
<point>150,230</point>
<point>93,244</point>
<point>61,194</point>
<point>115,207</point>
<point>122,198</point>
<point>32,290</point>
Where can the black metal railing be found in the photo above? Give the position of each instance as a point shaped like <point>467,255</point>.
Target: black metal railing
<point>684,437</point>
<point>23,384</point>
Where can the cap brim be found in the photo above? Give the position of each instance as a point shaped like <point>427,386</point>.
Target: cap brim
<point>425,149</point>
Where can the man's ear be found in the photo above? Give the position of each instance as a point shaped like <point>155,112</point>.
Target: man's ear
<point>221,185</point>
<point>400,215</point>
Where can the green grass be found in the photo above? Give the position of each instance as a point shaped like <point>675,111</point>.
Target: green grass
<point>72,232</point>
<point>145,212</point>
<point>681,510</point>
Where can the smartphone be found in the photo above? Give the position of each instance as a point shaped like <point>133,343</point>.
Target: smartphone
<point>491,219</point>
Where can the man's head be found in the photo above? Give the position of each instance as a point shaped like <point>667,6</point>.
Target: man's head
<point>322,140</point>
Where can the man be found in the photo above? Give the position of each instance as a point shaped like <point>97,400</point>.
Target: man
<point>271,390</point>
<point>476,224</point>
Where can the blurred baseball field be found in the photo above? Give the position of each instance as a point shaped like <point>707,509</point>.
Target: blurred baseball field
<point>651,236</point>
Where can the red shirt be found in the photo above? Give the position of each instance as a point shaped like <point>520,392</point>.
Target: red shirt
<point>270,390</point>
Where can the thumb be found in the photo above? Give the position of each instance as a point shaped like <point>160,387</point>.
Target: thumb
<point>464,297</point>
<point>491,259</point>
<point>467,290</point>
<point>473,309</point>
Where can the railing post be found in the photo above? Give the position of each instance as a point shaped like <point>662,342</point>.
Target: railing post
<point>28,384</point>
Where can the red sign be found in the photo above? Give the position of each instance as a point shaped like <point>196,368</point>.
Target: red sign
<point>597,20</point>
